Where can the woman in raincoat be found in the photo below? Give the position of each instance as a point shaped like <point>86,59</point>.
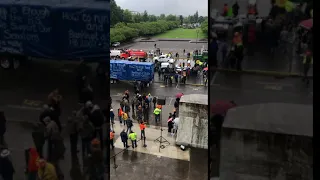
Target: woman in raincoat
<point>32,164</point>
<point>46,171</point>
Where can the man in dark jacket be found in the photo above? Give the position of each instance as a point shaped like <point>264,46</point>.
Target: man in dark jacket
<point>38,136</point>
<point>97,119</point>
<point>154,101</point>
<point>124,138</point>
<point>86,131</point>
<point>129,124</point>
<point>235,9</point>
<point>73,129</point>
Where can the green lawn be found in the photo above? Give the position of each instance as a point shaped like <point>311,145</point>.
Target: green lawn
<point>181,33</point>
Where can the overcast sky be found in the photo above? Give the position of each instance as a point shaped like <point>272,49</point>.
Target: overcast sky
<point>157,7</point>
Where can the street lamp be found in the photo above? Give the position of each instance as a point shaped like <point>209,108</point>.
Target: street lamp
<point>197,31</point>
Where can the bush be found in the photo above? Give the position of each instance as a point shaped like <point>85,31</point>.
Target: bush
<point>125,32</point>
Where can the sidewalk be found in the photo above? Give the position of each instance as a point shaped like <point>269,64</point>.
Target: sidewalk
<point>152,133</point>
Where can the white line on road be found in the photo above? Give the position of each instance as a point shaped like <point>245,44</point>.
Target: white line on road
<point>214,78</point>
<point>277,84</point>
<point>24,107</point>
<point>170,101</point>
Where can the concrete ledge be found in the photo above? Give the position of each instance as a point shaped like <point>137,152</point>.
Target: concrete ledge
<point>189,84</point>
<point>198,41</point>
<point>181,40</point>
<point>148,41</point>
<point>264,73</point>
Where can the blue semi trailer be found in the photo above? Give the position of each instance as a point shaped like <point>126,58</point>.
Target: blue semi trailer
<point>71,30</point>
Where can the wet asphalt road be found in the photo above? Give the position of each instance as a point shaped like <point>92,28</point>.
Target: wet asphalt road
<point>253,89</point>
<point>167,46</point>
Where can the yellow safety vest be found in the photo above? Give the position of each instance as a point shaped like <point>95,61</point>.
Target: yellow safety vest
<point>305,60</point>
<point>157,111</point>
<point>133,136</point>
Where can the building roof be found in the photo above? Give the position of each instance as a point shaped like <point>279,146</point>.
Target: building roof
<point>282,118</point>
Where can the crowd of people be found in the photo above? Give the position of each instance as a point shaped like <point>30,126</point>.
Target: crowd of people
<point>280,32</point>
<point>138,109</point>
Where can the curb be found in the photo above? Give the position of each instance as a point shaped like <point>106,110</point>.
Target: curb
<point>159,82</point>
<point>189,84</point>
<point>264,73</point>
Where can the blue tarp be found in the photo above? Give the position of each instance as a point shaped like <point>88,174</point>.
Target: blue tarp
<point>131,70</point>
<point>69,29</point>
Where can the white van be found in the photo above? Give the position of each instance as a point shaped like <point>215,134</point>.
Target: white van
<point>115,53</point>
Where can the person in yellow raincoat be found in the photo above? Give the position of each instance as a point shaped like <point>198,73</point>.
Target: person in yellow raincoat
<point>46,171</point>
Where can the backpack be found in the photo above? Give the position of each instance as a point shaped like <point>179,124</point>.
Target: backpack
<point>124,116</point>
<point>86,129</point>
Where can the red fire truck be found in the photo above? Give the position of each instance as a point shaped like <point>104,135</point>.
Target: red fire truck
<point>133,54</point>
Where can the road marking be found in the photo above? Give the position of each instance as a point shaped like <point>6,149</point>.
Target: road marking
<point>33,103</point>
<point>24,107</point>
<point>195,89</point>
<point>214,78</point>
<point>278,84</point>
<point>162,86</point>
<point>117,95</point>
<point>170,101</point>
<point>273,87</point>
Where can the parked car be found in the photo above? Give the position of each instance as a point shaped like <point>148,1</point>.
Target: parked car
<point>116,44</point>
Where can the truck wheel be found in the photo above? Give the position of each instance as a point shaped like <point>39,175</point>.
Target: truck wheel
<point>122,58</point>
<point>117,57</point>
<point>16,63</point>
<point>6,63</point>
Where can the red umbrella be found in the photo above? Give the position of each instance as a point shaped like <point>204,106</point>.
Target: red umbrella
<point>307,24</point>
<point>205,69</point>
<point>221,107</point>
<point>179,95</point>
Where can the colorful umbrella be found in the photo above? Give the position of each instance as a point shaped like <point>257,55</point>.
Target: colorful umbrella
<point>221,107</point>
<point>170,119</point>
<point>205,69</point>
<point>307,24</point>
<point>179,95</point>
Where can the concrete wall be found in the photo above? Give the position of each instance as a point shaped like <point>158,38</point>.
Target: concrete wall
<point>193,121</point>
<point>251,155</point>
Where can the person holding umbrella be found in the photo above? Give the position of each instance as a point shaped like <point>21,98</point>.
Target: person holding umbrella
<point>170,123</point>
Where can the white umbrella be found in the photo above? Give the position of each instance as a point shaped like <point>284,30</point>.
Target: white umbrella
<point>176,122</point>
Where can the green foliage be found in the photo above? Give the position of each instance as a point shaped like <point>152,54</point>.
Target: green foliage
<point>124,32</point>
<point>126,24</point>
<point>204,27</point>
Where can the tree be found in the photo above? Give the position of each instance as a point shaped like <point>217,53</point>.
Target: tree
<point>196,17</point>
<point>145,16</point>
<point>201,19</point>
<point>127,16</point>
<point>137,18</point>
<point>116,14</point>
<point>181,19</point>
<point>126,31</point>
<point>171,17</point>
<point>162,17</point>
<point>204,27</point>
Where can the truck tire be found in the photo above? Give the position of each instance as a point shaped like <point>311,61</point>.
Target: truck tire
<point>122,58</point>
<point>6,63</point>
<point>117,57</point>
<point>10,63</point>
